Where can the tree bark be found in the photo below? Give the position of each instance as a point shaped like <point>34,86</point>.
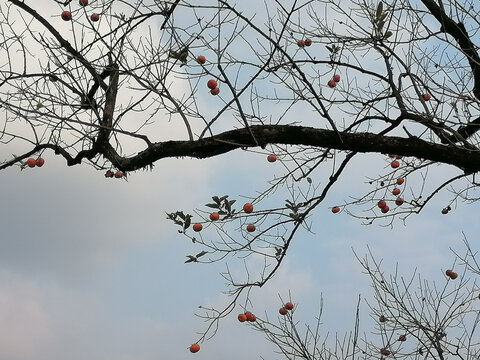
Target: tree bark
<point>466,159</point>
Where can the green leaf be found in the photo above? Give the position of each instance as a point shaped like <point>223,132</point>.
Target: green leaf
<point>388,34</point>
<point>329,48</point>
<point>278,251</point>
<point>40,105</point>
<point>380,25</point>
<point>190,259</point>
<point>293,216</point>
<point>216,199</point>
<point>379,10</point>
<point>309,180</point>
<point>223,197</point>
<point>179,55</point>
<point>173,217</point>
<point>201,254</point>
<point>231,202</point>
<point>213,206</point>
<point>188,221</point>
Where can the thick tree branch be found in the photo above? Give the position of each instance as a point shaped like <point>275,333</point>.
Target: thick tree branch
<point>465,159</point>
<point>465,131</point>
<point>458,31</point>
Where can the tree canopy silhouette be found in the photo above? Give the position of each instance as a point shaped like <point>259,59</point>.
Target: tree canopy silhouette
<point>318,84</point>
<point>410,80</point>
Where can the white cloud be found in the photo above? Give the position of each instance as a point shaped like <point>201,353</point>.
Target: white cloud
<point>25,325</point>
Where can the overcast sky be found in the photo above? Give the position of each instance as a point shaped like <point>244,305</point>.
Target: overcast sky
<point>91,269</point>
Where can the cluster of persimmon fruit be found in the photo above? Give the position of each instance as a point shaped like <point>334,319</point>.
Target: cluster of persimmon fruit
<point>333,82</point>
<point>402,338</point>
<point>247,207</point>
<point>302,43</point>
<point>67,15</point>
<point>31,162</point>
<point>395,163</point>
<point>248,316</point>
<point>212,84</point>
<point>286,308</point>
<point>382,204</point>
<point>451,274</point>
<point>111,174</point>
<point>214,216</point>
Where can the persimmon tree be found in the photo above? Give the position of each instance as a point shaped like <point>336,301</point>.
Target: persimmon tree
<point>411,317</point>
<point>321,85</point>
